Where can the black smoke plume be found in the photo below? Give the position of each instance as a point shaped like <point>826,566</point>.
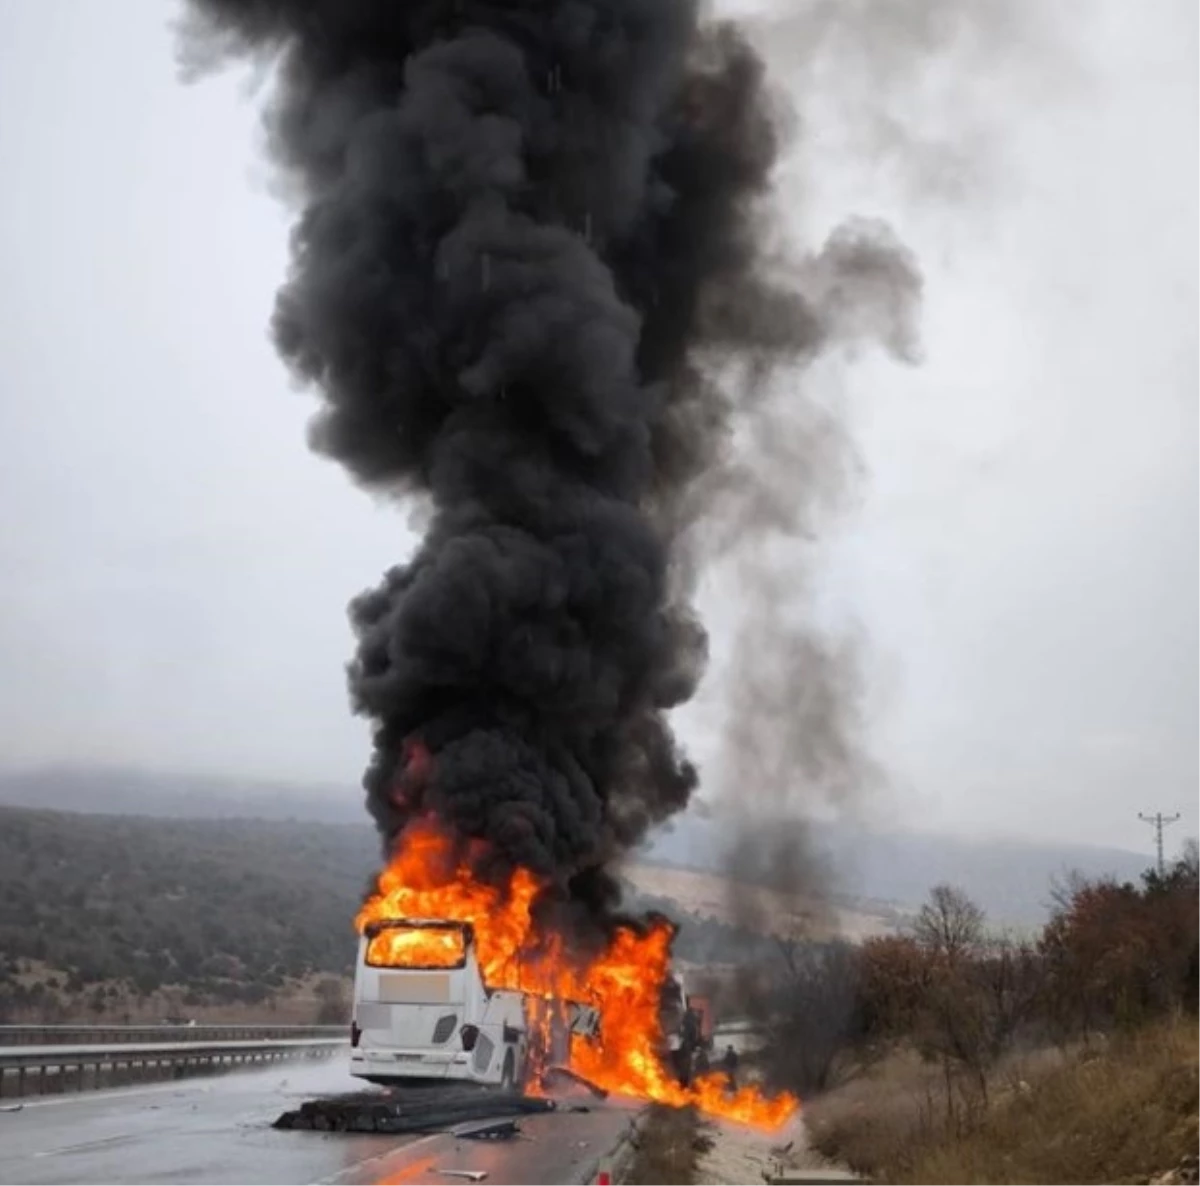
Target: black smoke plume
<point>528,261</point>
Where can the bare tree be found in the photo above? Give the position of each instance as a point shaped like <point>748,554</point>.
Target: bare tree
<point>813,1013</point>
<point>949,924</point>
<point>1188,862</point>
<point>1063,890</point>
<point>959,1019</point>
<point>1012,977</point>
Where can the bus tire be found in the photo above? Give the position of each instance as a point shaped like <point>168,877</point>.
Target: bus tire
<point>508,1076</point>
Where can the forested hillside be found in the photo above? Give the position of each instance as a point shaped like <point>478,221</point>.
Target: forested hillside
<point>101,914</point>
<point>229,909</point>
<point>1011,879</point>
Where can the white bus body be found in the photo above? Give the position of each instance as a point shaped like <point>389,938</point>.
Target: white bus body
<point>420,1017</point>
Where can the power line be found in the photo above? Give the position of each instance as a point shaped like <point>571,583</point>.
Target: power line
<point>1159,821</point>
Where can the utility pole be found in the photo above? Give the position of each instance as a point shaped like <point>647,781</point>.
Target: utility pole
<point>1159,821</point>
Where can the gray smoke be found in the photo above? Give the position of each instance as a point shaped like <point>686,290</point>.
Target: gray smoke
<point>533,284</point>
<point>922,91</point>
<point>912,88</point>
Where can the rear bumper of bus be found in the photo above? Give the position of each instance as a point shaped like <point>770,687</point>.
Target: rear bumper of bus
<point>398,1063</point>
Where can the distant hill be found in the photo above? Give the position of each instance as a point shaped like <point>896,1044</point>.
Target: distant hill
<point>111,915</point>
<point>1011,879</point>
<point>230,910</point>
<point>100,791</point>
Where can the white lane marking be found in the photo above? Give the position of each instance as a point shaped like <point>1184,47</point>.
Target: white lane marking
<point>103,1143</point>
<point>391,1153</point>
<point>90,1097</point>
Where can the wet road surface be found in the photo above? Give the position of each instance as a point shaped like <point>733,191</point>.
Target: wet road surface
<point>217,1130</point>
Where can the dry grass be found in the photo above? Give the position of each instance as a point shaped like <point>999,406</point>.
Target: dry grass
<point>669,1148</point>
<point>1120,1114</point>
<point>873,1118</point>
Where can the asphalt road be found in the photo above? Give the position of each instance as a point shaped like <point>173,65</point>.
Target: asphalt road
<point>217,1130</point>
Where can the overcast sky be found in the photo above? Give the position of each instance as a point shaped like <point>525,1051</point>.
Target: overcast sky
<point>174,564</point>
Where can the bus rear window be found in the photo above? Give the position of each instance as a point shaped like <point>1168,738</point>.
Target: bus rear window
<point>417,947</point>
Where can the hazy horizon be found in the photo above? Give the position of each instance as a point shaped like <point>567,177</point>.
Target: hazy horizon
<point>348,800</point>
<point>1012,878</point>
<point>1021,564</point>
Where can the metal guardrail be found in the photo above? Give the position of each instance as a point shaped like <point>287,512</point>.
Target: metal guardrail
<point>63,1035</point>
<point>30,1069</point>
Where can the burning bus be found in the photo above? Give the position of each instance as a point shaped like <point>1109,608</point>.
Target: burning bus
<point>423,1010</point>
<point>456,980</point>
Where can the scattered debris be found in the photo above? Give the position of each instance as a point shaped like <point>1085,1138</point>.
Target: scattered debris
<point>500,1130</point>
<point>555,1075</point>
<point>12,1108</point>
<point>740,1154</point>
<point>409,1111</point>
<point>469,1175</point>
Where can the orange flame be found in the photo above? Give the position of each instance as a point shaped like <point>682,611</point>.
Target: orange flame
<point>428,879</point>
<point>417,947</point>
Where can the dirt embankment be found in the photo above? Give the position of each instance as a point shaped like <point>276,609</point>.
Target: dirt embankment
<point>1119,1110</point>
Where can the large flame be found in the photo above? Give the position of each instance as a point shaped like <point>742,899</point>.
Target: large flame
<point>428,878</point>
<point>417,947</point>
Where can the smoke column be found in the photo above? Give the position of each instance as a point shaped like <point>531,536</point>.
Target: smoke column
<point>906,92</point>
<point>533,285</point>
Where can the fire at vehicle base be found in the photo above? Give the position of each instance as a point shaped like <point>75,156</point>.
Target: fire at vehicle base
<point>558,1077</point>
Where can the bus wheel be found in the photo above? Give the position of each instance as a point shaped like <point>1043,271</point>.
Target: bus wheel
<point>508,1076</point>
